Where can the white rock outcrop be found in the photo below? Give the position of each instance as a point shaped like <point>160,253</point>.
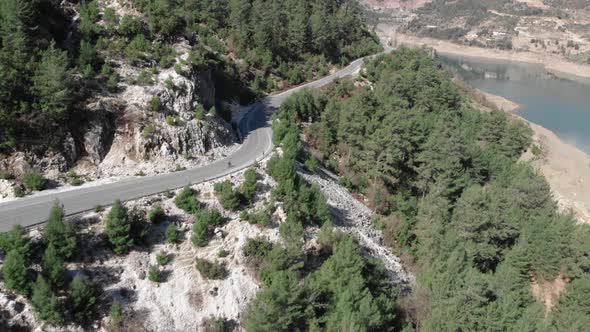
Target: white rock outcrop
<point>123,137</point>
<point>355,218</point>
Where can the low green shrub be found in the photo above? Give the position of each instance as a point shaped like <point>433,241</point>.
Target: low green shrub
<point>228,197</point>
<point>537,150</point>
<point>154,274</point>
<point>157,215</point>
<point>148,131</point>
<point>145,77</point>
<point>222,253</point>
<point>171,234</point>
<point>200,112</point>
<point>155,104</point>
<point>19,191</point>
<point>34,181</point>
<point>169,84</point>
<point>174,121</point>
<point>186,200</point>
<point>217,324</point>
<point>256,249</point>
<point>6,175</point>
<point>162,258</point>
<point>211,270</point>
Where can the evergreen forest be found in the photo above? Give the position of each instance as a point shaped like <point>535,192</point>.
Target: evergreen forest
<point>451,196</point>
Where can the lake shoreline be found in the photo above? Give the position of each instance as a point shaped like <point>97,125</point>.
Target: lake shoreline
<point>552,64</point>
<point>565,167</point>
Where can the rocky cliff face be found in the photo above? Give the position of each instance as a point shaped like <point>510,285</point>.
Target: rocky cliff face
<point>124,135</point>
<point>151,141</point>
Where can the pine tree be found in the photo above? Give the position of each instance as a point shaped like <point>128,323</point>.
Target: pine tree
<point>248,188</point>
<point>298,28</point>
<point>15,239</point>
<point>14,85</point>
<point>118,228</point>
<point>573,310</point>
<point>51,82</point>
<point>45,303</point>
<point>228,198</point>
<point>187,201</point>
<point>280,307</point>
<point>323,33</point>
<point>480,221</point>
<point>87,55</point>
<point>59,233</point>
<point>14,15</point>
<point>14,271</point>
<point>200,234</point>
<point>82,298</point>
<point>494,127</point>
<point>321,208</point>
<point>157,214</point>
<point>262,34</point>
<point>239,20</point>
<point>89,14</point>
<point>154,273</point>
<point>53,266</point>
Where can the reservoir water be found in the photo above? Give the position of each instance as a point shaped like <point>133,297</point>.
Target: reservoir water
<point>561,105</point>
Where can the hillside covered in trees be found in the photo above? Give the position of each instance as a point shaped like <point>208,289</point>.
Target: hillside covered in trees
<point>481,228</point>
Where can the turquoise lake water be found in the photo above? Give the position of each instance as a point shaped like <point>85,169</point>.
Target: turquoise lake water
<point>559,104</point>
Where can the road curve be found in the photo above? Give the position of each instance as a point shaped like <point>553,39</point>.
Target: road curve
<point>33,210</point>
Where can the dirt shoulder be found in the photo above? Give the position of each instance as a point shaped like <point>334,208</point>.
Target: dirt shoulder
<point>566,168</point>
<point>552,63</point>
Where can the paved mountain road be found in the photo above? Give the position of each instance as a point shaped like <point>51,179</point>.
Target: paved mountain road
<point>33,210</point>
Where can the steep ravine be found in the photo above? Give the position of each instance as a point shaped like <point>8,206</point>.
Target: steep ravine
<point>354,217</point>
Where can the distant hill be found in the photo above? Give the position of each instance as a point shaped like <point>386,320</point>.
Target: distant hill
<point>547,26</point>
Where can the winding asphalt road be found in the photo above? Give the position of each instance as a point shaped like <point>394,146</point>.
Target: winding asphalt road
<point>33,210</point>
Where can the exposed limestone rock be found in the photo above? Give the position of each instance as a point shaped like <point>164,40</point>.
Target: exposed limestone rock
<point>188,90</point>
<point>50,162</point>
<point>15,314</point>
<point>98,138</point>
<point>124,137</point>
<point>6,189</point>
<point>145,141</point>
